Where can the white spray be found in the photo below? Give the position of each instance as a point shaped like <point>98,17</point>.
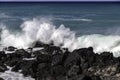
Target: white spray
<point>45,31</point>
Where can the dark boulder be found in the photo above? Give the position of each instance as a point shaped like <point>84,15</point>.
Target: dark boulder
<point>53,49</point>
<point>71,59</point>
<point>3,67</point>
<point>80,77</point>
<point>58,70</point>
<point>44,58</point>
<point>39,44</point>
<point>86,55</point>
<point>11,48</point>
<point>57,59</point>
<point>1,78</point>
<point>105,59</point>
<point>27,67</point>
<point>13,59</point>
<point>84,77</point>
<point>43,71</point>
<point>73,71</point>
<point>48,48</point>
<point>96,78</point>
<point>23,53</point>
<point>3,56</point>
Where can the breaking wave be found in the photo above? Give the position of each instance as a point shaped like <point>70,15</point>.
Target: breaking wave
<point>45,31</point>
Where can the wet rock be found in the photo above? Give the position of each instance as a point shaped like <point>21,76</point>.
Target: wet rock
<point>3,67</point>
<point>13,59</point>
<point>106,58</point>
<point>80,77</point>
<point>2,56</point>
<point>11,48</point>
<point>58,70</point>
<point>1,78</point>
<point>38,44</point>
<point>43,71</point>
<point>22,53</point>
<point>71,59</point>
<point>26,67</point>
<point>96,78</point>
<point>74,70</point>
<point>44,58</point>
<point>57,59</point>
<point>54,63</point>
<point>53,50</point>
<point>61,77</point>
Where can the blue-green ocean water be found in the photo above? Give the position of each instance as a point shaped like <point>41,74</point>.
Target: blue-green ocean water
<point>83,18</point>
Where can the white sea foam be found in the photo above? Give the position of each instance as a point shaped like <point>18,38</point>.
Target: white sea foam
<point>44,31</point>
<point>9,75</point>
<point>74,19</point>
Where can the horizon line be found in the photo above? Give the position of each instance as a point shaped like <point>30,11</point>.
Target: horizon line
<point>59,0</point>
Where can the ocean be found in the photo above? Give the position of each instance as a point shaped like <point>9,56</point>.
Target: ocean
<point>69,25</point>
<point>74,25</point>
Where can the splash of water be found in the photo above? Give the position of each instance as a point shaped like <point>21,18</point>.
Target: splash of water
<point>44,31</point>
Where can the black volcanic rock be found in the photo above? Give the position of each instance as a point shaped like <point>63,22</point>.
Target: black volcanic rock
<point>11,48</point>
<point>3,68</point>
<point>13,59</point>
<point>3,56</point>
<point>16,57</point>
<point>57,59</point>
<point>1,78</point>
<point>43,71</point>
<point>39,44</point>
<point>107,58</point>
<point>96,78</point>
<point>22,53</point>
<point>58,70</point>
<point>44,58</point>
<point>55,63</point>
<point>27,67</point>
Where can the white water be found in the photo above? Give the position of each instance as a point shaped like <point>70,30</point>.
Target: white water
<point>9,75</point>
<point>44,31</point>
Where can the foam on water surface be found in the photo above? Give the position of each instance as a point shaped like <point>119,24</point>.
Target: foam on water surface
<point>45,31</point>
<point>9,75</point>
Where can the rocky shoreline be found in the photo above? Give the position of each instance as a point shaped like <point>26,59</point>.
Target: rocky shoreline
<point>48,62</point>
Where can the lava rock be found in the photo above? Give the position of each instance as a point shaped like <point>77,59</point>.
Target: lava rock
<point>23,53</point>
<point>1,78</point>
<point>3,56</point>
<point>26,67</point>
<point>80,77</point>
<point>11,48</point>
<point>57,59</point>
<point>43,71</point>
<point>44,58</point>
<point>3,67</point>
<point>58,70</point>
<point>38,44</point>
<point>106,58</point>
<point>96,78</point>
<point>13,59</point>
<point>71,59</point>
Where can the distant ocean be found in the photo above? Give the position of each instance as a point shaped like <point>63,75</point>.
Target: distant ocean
<point>74,25</point>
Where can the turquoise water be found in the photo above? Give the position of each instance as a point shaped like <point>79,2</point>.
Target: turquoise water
<point>83,18</point>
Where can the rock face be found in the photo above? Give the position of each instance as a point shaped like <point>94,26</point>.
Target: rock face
<point>54,63</point>
<point>1,78</point>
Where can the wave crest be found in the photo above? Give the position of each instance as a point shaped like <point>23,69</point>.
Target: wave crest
<point>44,31</point>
